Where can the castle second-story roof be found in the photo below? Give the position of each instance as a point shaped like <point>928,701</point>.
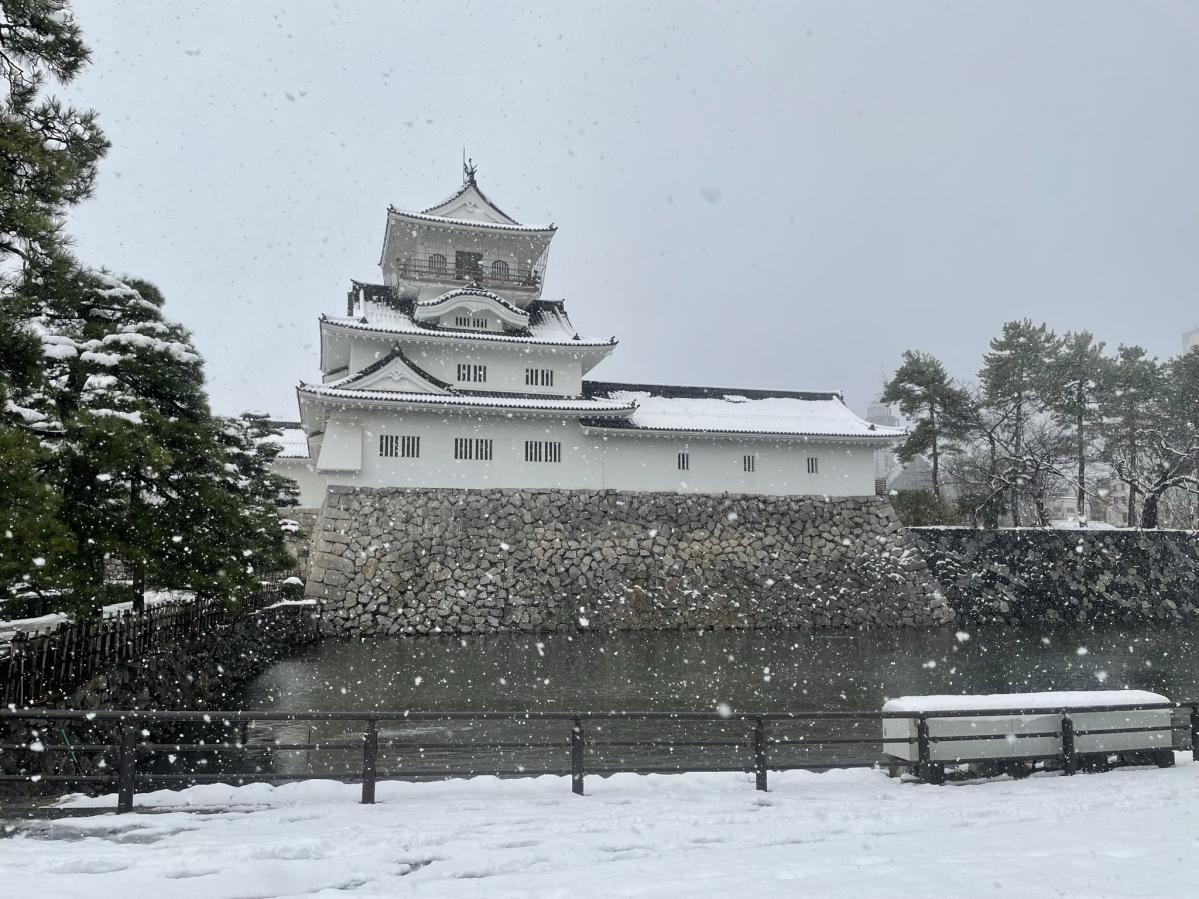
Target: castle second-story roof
<point>377,308</point>
<point>732,411</point>
<point>291,440</point>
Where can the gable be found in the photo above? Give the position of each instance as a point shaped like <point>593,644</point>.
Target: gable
<point>470,205</point>
<point>396,373</point>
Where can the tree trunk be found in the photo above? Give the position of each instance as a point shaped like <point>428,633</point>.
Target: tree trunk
<point>1132,491</point>
<point>932,423</point>
<point>1149,510</point>
<point>1081,505</point>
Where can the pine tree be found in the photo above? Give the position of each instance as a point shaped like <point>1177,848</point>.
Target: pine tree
<point>1011,374</point>
<point>48,156</point>
<point>1172,440</point>
<point>1073,384</point>
<point>1128,408</point>
<point>925,393</point>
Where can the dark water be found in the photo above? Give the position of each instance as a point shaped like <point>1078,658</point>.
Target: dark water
<point>647,671</point>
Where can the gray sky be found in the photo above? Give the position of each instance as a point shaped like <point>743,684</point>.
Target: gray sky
<point>751,195</point>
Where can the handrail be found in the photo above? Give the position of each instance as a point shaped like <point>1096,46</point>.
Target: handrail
<point>132,740</point>
<point>241,715</point>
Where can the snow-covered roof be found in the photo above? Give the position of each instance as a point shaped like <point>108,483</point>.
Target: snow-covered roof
<point>292,439</point>
<point>469,223</point>
<point>377,308</point>
<point>469,206</point>
<point>721,410</point>
<point>472,400</point>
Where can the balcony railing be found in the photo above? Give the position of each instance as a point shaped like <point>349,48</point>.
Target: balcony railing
<point>505,277</point>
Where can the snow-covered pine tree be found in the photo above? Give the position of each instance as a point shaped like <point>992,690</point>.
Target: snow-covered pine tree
<point>49,154</point>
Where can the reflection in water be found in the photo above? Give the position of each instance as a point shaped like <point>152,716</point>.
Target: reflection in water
<point>674,671</point>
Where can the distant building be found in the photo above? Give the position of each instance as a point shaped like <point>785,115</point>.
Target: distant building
<point>885,460</point>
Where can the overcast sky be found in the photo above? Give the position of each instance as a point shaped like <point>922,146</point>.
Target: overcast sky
<point>750,195</point>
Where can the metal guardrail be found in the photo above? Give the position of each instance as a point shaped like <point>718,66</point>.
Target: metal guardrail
<point>758,749</point>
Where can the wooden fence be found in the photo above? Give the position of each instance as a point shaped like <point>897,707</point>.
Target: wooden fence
<point>50,664</point>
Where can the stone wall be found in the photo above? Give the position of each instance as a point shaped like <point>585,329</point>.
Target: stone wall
<point>393,561</point>
<point>1031,576</point>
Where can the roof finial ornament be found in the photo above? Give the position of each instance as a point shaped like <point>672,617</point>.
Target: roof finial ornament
<point>468,169</point>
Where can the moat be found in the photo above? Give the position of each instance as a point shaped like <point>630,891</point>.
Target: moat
<point>693,671</point>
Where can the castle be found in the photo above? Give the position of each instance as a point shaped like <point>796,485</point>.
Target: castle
<point>455,372</point>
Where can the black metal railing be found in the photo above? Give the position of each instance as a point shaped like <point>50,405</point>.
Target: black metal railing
<point>448,272</point>
<point>38,667</point>
<point>132,750</point>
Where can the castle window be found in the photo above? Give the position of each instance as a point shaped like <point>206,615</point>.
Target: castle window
<point>437,263</point>
<point>473,449</point>
<point>499,269</point>
<point>399,446</point>
<point>468,321</point>
<point>539,377</point>
<point>471,373</point>
<point>543,451</point>
<point>684,461</point>
<point>467,263</point>
<point>750,462</point>
<point>813,465</point>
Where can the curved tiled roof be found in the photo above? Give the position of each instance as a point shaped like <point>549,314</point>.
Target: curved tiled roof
<point>470,223</point>
<point>473,292</point>
<point>475,400</point>
<point>736,411</point>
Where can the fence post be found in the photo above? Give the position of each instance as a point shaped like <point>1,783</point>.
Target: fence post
<point>1195,732</point>
<point>1069,759</point>
<point>126,768</point>
<point>760,754</point>
<point>576,757</point>
<point>370,759</point>
<point>927,770</point>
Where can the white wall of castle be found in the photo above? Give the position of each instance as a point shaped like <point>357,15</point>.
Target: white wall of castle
<point>350,455</point>
<point>506,363</point>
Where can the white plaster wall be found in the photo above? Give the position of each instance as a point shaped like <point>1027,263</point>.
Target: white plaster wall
<point>304,473</point>
<point>592,461</point>
<point>506,363</point>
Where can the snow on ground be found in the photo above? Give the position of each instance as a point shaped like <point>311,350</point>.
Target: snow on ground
<point>852,833</point>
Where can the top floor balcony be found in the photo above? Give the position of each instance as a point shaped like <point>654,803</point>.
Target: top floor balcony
<point>466,268</point>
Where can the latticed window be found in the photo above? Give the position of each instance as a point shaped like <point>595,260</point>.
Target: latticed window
<point>684,461</point>
<point>539,377</point>
<point>437,263</point>
<point>399,446</point>
<point>472,373</point>
<point>499,269</point>
<point>543,451</point>
<point>813,465</point>
<point>473,449</point>
<point>750,462</point>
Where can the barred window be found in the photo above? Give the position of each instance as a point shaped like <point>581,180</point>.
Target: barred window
<point>437,263</point>
<point>473,449</point>
<point>499,269</point>
<point>539,377</point>
<point>750,462</point>
<point>472,373</point>
<point>399,446</point>
<point>543,451</point>
<point>813,465</point>
<point>469,321</point>
<point>684,461</point>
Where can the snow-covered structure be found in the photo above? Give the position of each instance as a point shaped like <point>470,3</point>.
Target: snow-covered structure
<point>457,372</point>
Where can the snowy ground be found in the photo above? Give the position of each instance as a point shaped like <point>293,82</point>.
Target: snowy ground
<point>844,833</point>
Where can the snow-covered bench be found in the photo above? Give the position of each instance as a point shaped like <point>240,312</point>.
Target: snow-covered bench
<point>1011,732</point>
